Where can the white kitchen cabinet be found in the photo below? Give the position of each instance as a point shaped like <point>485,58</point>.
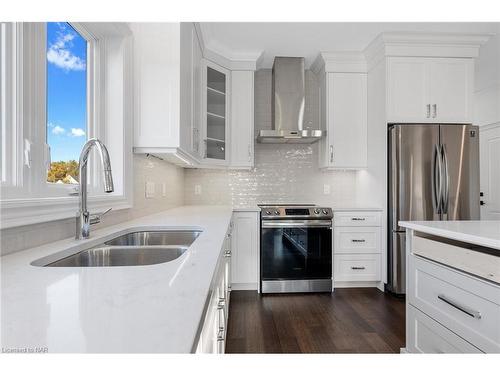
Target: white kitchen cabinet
<point>357,247</point>
<point>464,303</point>
<point>184,109</point>
<point>242,119</point>
<point>408,89</point>
<point>245,250</point>
<point>216,89</point>
<point>428,90</point>
<point>425,335</point>
<point>344,118</point>
<point>213,330</point>
<point>166,57</point>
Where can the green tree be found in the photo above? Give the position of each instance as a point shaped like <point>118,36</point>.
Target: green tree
<point>61,170</point>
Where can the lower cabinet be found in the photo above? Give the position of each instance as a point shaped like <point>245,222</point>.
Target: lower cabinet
<point>463,310</point>
<point>212,338</point>
<point>425,335</point>
<point>357,246</point>
<point>246,248</point>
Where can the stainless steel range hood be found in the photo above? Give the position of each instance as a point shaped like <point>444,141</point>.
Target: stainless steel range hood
<point>288,102</point>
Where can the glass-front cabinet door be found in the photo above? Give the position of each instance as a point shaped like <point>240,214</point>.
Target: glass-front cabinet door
<point>216,105</point>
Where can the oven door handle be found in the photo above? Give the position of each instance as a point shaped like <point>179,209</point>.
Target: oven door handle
<point>296,224</point>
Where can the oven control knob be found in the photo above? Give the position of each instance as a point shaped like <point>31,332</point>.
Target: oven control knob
<point>276,212</point>
<point>317,211</point>
<point>268,212</point>
<point>325,212</point>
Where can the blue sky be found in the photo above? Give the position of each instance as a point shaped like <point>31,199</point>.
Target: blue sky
<point>66,91</point>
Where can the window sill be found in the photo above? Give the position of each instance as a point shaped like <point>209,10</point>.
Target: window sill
<point>19,212</point>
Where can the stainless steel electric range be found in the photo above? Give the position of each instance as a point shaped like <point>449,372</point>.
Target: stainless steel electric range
<point>295,248</point>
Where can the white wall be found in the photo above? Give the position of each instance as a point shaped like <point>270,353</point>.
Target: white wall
<point>487,83</point>
<point>145,169</point>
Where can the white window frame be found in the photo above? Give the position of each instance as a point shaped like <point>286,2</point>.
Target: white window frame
<point>29,198</point>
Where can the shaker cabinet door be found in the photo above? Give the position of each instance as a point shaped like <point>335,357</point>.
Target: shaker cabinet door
<point>408,98</point>
<point>451,89</point>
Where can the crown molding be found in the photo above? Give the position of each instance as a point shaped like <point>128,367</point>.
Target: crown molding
<point>415,44</point>
<point>340,62</point>
<point>216,52</point>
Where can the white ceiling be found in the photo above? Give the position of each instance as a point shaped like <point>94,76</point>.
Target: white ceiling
<point>249,39</point>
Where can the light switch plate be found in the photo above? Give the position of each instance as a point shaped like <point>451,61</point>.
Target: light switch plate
<point>326,189</point>
<point>150,189</point>
<point>197,189</point>
<point>164,189</point>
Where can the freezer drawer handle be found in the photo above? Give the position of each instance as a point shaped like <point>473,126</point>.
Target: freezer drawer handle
<point>458,306</point>
<point>357,268</point>
<point>354,240</point>
<point>358,219</point>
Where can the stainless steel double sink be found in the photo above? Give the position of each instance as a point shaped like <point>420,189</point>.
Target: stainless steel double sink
<point>139,248</point>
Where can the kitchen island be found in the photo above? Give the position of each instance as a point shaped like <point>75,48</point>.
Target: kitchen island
<point>157,308</point>
<point>453,287</point>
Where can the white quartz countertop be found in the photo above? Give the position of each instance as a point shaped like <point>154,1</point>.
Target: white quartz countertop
<point>483,233</point>
<point>151,309</point>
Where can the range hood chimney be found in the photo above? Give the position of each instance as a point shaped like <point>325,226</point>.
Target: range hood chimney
<point>288,102</point>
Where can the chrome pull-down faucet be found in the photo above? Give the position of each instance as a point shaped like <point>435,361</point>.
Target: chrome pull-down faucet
<point>83,217</point>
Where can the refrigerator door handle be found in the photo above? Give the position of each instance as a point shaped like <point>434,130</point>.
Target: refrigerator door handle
<point>437,178</point>
<point>446,182</point>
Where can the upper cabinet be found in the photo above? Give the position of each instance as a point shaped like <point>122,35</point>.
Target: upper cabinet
<point>430,90</point>
<point>183,103</point>
<point>343,111</point>
<point>216,94</point>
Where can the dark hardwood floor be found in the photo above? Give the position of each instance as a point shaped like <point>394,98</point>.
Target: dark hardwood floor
<point>360,320</point>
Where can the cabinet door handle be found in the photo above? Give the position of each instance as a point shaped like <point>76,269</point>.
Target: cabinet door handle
<point>357,268</point>
<point>428,110</point>
<point>227,253</point>
<point>220,334</point>
<point>355,240</point>
<point>434,110</point>
<point>466,310</point>
<point>331,154</point>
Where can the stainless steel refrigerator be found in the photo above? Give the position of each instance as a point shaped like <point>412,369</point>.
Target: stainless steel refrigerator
<point>433,175</point>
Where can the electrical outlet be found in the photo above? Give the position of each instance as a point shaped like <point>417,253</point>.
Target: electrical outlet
<point>197,189</point>
<point>150,189</point>
<point>164,189</point>
<point>326,189</point>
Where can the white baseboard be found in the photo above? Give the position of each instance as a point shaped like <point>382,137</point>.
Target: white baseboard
<point>244,286</point>
<point>356,284</point>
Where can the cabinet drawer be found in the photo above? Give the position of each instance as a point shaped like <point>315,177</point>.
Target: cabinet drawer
<point>356,240</point>
<point>356,267</point>
<point>425,335</point>
<point>467,306</point>
<point>357,219</point>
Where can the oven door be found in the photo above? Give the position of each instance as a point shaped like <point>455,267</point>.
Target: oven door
<point>299,250</point>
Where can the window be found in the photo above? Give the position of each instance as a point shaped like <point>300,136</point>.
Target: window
<point>66,101</point>
<point>61,84</point>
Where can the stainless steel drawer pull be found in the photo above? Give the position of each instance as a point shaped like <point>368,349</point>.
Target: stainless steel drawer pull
<point>358,219</point>
<point>220,334</point>
<point>357,268</point>
<point>458,306</point>
<point>221,303</point>
<point>354,240</point>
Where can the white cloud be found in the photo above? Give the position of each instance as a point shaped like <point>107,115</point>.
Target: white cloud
<point>57,130</point>
<point>77,132</point>
<point>59,54</point>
